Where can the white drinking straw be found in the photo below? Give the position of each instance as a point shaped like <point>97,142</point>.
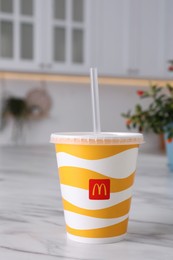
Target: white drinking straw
<point>95,100</point>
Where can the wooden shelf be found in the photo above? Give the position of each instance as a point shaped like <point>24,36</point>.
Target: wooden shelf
<point>120,81</point>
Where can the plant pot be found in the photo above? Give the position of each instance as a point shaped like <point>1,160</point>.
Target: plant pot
<point>169,152</point>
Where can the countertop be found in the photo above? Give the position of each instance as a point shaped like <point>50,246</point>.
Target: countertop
<point>31,216</point>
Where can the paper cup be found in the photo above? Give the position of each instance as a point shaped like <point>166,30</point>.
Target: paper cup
<point>96,178</point>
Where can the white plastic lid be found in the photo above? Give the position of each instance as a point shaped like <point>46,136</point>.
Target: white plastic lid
<point>90,138</point>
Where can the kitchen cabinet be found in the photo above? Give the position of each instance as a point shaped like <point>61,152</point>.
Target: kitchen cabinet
<point>126,38</point>
<point>20,34</point>
<point>109,37</point>
<point>168,37</point>
<point>43,35</point>
<point>133,38</point>
<point>66,36</point>
<point>147,39</point>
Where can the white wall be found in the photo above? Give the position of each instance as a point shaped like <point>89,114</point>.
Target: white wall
<point>71,111</point>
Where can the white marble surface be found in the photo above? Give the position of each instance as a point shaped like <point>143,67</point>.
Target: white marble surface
<point>31,215</point>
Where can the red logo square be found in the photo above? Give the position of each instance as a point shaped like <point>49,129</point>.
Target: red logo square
<point>99,189</point>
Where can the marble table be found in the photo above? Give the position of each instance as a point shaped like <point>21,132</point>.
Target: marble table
<point>31,216</point>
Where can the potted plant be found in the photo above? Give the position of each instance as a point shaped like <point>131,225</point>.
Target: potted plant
<point>157,117</point>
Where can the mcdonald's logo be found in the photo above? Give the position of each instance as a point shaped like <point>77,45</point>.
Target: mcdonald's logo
<point>99,189</point>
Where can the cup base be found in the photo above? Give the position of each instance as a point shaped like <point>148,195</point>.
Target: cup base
<point>96,240</point>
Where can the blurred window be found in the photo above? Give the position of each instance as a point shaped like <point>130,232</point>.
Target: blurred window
<point>6,6</point>
<point>77,11</point>
<point>59,44</point>
<point>68,31</point>
<point>59,9</point>
<point>77,43</point>
<point>26,41</point>
<point>26,7</point>
<point>6,36</point>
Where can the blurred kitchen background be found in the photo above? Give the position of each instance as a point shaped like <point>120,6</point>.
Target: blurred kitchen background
<point>47,48</point>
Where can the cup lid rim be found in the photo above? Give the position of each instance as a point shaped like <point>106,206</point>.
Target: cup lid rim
<point>103,137</point>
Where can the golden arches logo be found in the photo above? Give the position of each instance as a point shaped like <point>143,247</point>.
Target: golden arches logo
<point>99,189</point>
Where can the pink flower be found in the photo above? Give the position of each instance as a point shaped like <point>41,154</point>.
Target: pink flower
<point>169,140</point>
<point>140,92</point>
<point>128,122</point>
<point>170,68</point>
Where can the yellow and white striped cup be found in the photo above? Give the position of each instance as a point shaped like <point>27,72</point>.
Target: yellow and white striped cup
<point>96,177</point>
